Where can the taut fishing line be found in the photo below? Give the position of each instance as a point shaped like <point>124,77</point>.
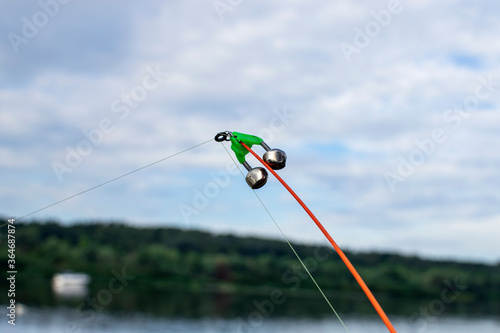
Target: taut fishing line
<point>110,181</point>
<point>289,244</point>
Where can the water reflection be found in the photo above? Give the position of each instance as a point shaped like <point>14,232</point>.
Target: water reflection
<point>179,302</point>
<point>58,320</point>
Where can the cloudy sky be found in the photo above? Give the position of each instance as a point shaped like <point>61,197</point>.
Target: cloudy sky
<point>388,112</point>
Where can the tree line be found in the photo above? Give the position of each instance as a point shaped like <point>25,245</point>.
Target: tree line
<point>161,257</point>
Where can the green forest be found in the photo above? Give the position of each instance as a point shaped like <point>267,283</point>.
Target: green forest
<point>170,258</point>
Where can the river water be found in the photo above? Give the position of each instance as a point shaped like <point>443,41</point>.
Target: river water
<point>183,311</point>
<point>66,320</point>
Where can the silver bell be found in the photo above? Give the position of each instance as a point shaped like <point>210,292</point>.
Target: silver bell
<point>276,158</point>
<point>256,178</point>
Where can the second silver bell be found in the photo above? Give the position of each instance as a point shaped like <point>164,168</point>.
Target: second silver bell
<point>276,158</point>
<point>256,178</point>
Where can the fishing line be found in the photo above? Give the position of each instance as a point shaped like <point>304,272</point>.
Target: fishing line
<point>290,244</point>
<point>110,181</point>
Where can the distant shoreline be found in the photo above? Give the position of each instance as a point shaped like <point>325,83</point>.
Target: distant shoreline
<point>167,260</point>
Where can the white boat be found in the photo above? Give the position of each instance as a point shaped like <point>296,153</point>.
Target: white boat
<point>70,284</point>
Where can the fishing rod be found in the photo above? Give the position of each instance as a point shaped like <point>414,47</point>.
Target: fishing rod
<point>275,159</point>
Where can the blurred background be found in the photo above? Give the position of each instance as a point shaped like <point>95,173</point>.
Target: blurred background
<point>387,111</point>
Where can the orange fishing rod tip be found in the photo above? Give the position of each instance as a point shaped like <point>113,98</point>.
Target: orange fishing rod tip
<point>343,257</point>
